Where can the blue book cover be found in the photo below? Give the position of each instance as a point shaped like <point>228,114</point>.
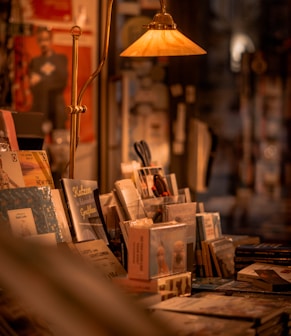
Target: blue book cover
<point>39,200</point>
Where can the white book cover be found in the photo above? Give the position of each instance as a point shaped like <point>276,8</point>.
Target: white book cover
<point>22,222</point>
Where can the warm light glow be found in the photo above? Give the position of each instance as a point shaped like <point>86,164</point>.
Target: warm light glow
<point>160,42</point>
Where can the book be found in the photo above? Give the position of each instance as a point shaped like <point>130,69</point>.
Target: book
<point>35,206</point>
<point>241,262</point>
<point>209,225</point>
<point>249,273</point>
<point>184,213</point>
<point>80,201</point>
<point>268,250</point>
<point>239,239</point>
<point>208,283</point>
<point>61,214</point>
<point>238,287</point>
<point>129,199</point>
<point>35,168</point>
<point>190,324</point>
<point>10,171</point>
<point>208,228</point>
<point>172,184</point>
<point>156,250</point>
<point>98,254</point>
<point>222,253</point>
<point>8,138</point>
<point>271,281</point>
<point>199,262</point>
<point>206,258</point>
<point>256,310</point>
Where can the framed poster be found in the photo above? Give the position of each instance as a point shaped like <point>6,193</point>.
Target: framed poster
<point>44,85</point>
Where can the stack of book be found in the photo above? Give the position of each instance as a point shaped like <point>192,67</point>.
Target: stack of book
<point>28,198</point>
<point>217,314</point>
<point>270,253</point>
<point>270,277</point>
<point>215,251</point>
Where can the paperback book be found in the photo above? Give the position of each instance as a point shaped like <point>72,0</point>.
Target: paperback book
<point>98,254</point>
<point>31,207</point>
<point>35,168</point>
<point>129,200</point>
<point>84,215</point>
<point>222,254</point>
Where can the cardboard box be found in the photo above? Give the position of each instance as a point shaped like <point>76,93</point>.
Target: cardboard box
<point>157,250</point>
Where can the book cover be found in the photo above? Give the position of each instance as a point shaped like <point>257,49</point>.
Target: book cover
<point>10,171</point>
<point>97,253</point>
<point>156,250</point>
<point>39,200</point>
<point>271,281</point>
<point>190,324</point>
<point>249,273</point>
<point>129,198</point>
<point>237,286</point>
<point>22,222</point>
<point>61,214</point>
<point>8,138</point>
<point>222,253</point>
<point>255,310</point>
<point>209,225</point>
<point>172,184</point>
<point>184,213</point>
<point>35,168</point>
<point>79,196</point>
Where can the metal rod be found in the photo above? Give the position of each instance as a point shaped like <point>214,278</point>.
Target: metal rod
<point>76,32</point>
<point>75,109</point>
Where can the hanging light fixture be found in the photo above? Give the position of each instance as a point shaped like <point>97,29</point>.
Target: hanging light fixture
<point>162,39</point>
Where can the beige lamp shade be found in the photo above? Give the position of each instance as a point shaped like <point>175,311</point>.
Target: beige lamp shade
<point>162,42</point>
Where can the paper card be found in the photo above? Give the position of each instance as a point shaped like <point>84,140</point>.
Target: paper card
<point>22,222</point>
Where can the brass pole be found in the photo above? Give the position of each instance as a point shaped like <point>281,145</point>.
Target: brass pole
<point>75,108</point>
